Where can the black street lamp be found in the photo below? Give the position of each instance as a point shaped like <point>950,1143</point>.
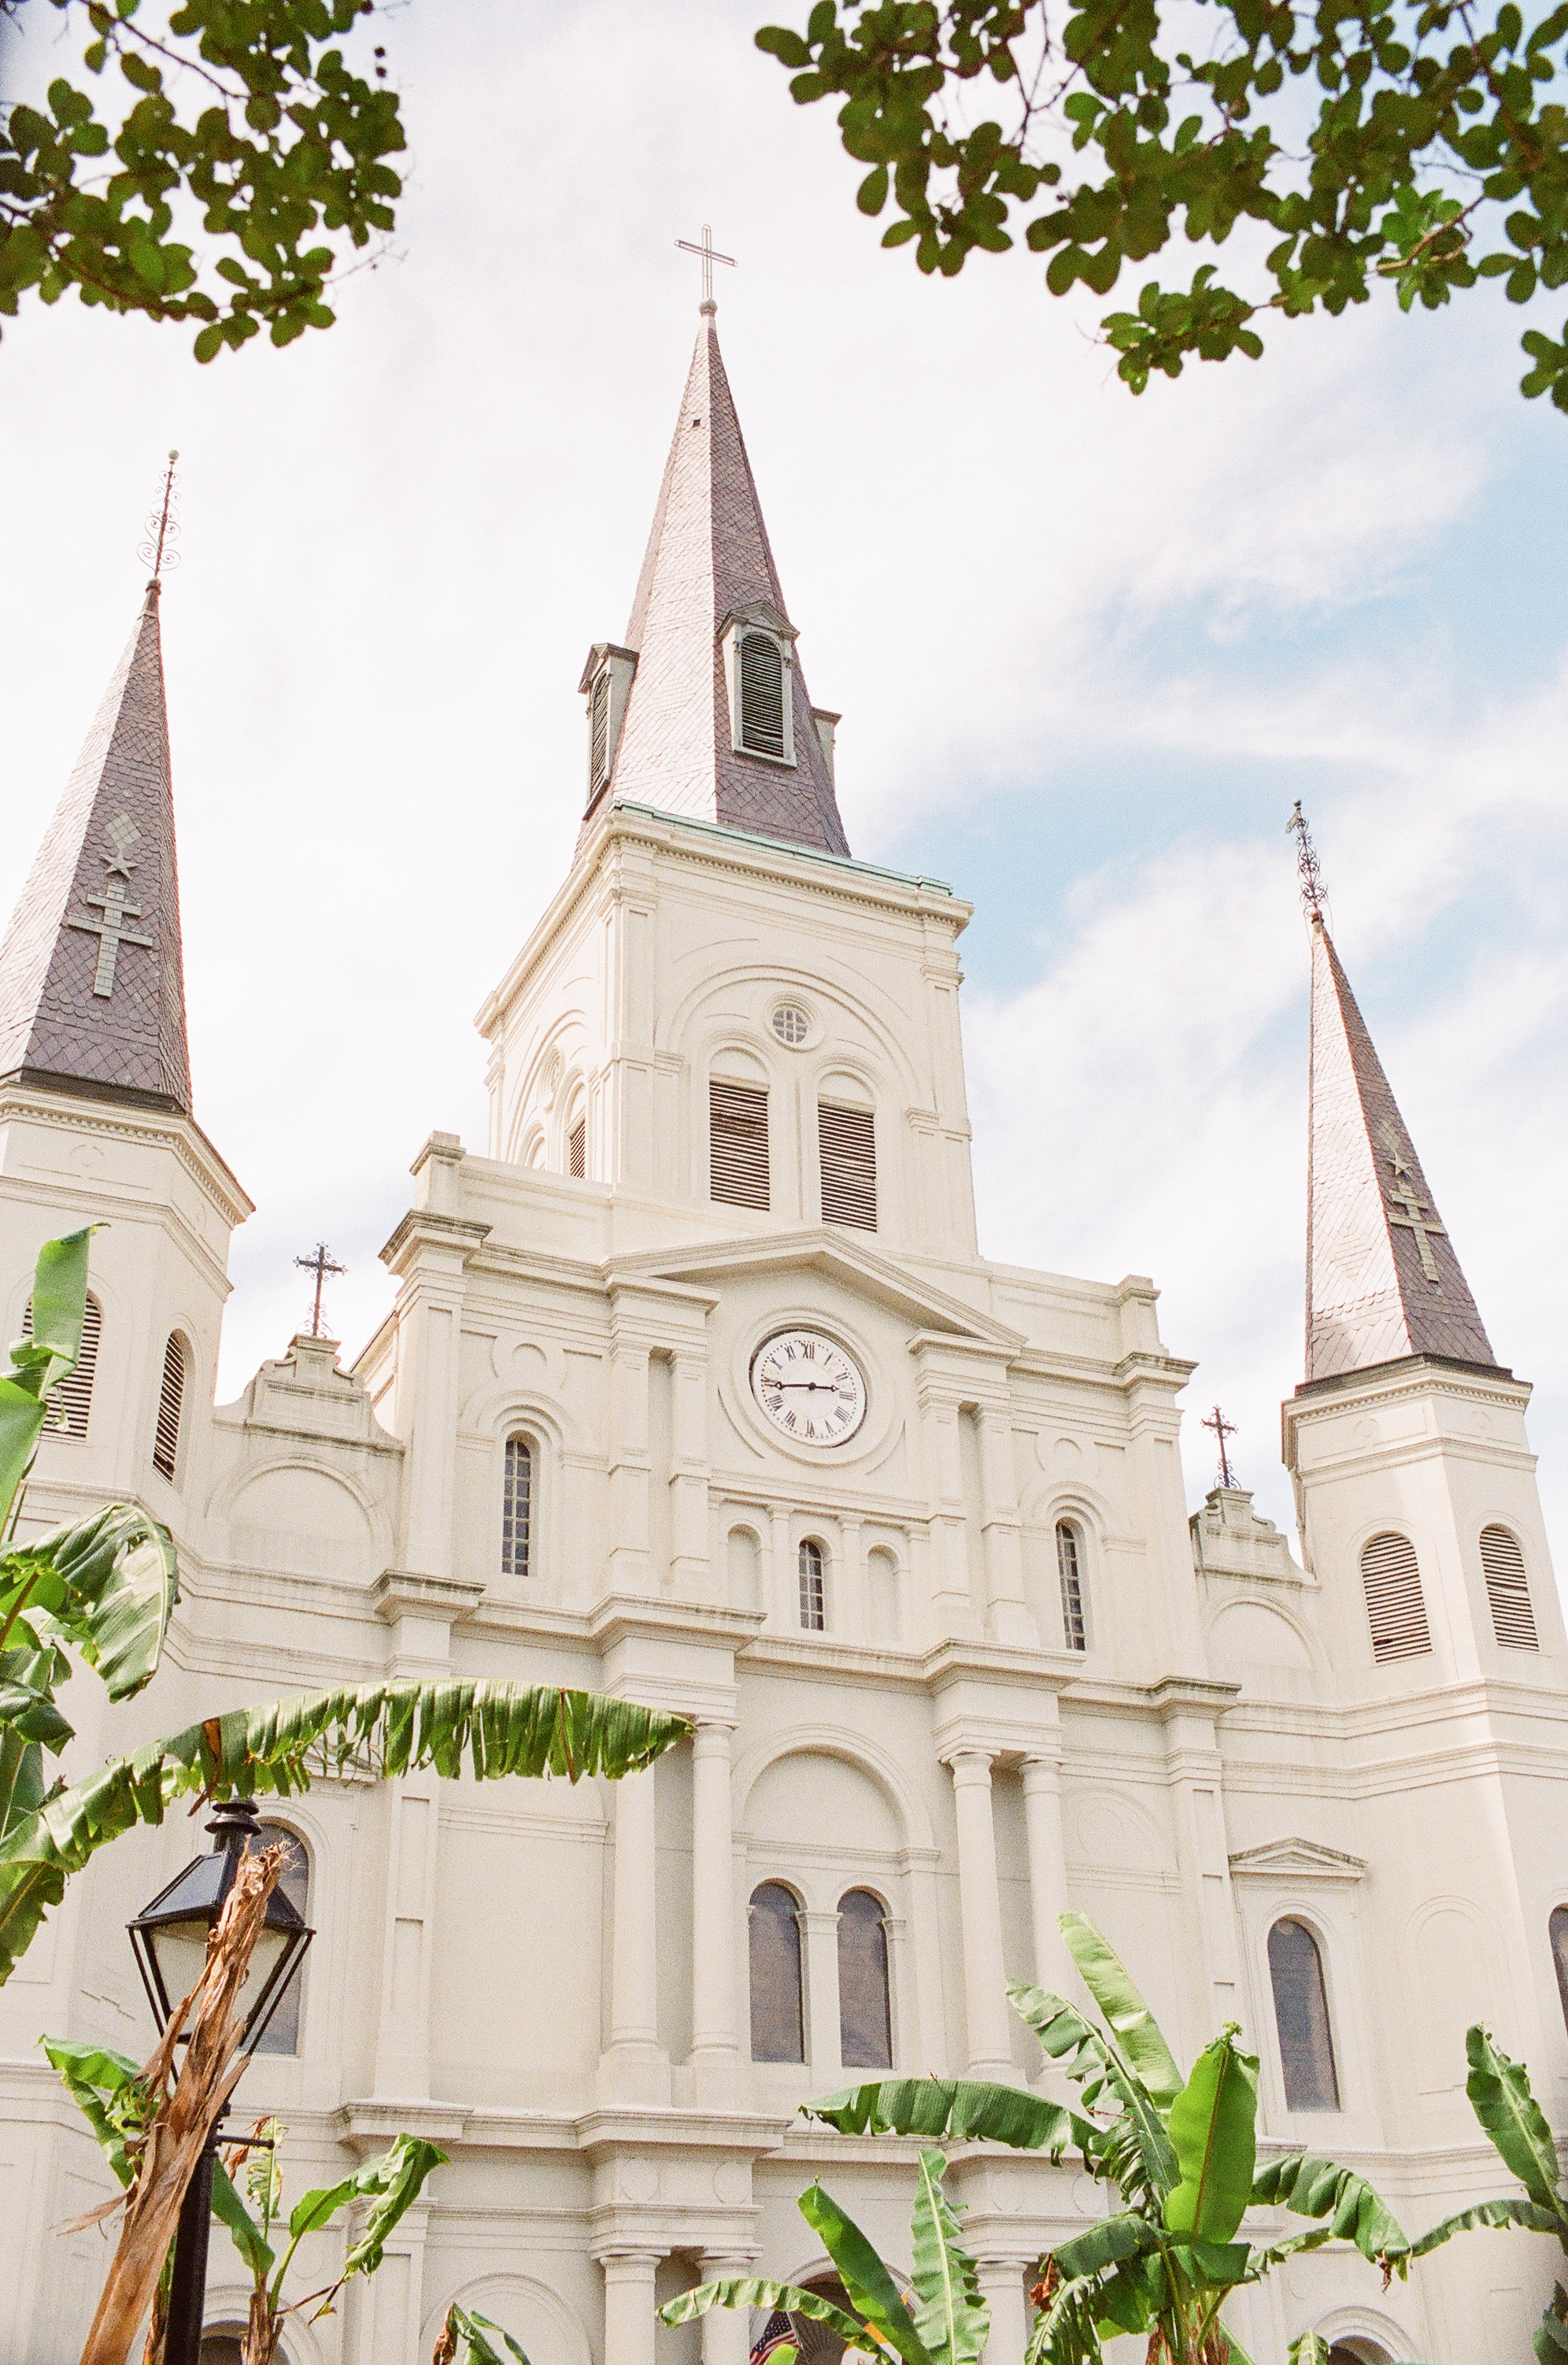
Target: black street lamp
<point>168,1940</point>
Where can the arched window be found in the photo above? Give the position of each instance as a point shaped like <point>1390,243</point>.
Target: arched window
<point>1301,2016</point>
<point>814,1587</point>
<point>1396,1610</point>
<point>762,695</point>
<point>516,1507</point>
<point>281,2034</point>
<point>1557,1930</point>
<point>576,1147</point>
<point>778,2021</point>
<point>1508,1590</point>
<point>72,1399</point>
<point>865,2014</point>
<point>1070,1572</point>
<point>170,1397</point>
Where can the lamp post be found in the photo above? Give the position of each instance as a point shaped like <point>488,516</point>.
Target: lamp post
<point>168,1940</point>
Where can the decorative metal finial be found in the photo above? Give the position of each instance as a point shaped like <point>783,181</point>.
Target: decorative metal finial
<point>1307,871</point>
<point>711,255</point>
<point>162,530</point>
<point>320,1264</point>
<point>1222,1429</point>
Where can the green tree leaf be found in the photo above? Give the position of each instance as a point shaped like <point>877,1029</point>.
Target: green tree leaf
<point>873,2293</point>
<point>953,2319</point>
<point>1313,2187</point>
<point>956,2110</point>
<point>1126,2014</point>
<point>1499,2091</point>
<point>752,2291</point>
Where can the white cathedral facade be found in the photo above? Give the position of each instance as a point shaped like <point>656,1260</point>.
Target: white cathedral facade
<point>699,1390</point>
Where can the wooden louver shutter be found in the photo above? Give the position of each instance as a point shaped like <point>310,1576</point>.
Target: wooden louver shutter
<point>70,1399</point>
<point>1508,1590</point>
<point>846,1144</point>
<point>1396,1610</point>
<point>762,695</point>
<point>576,1151</point>
<point>599,761</point>
<point>737,1144</point>
<point>170,1396</point>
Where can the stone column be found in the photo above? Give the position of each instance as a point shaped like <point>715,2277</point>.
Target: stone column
<point>980,1909</point>
<point>952,1601</point>
<point>688,1478</point>
<point>630,2324</point>
<point>635,2069</point>
<point>819,1936</point>
<point>1002,2280</point>
<point>420,1610</point>
<point>1008,1613</point>
<point>631,1568</point>
<point>851,1614</point>
<point>714,2050</point>
<point>726,2331</point>
<point>1048,1867</point>
<point>1195,1773</point>
<point>785,1586</point>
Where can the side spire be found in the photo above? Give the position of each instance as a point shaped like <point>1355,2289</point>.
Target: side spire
<point>708,582</point>
<point>91,976</point>
<point>1383,1281</point>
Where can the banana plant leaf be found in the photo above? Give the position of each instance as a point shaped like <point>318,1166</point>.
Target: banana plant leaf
<point>26,1698</point>
<point>490,1729</point>
<point>40,1361</point>
<point>1499,2091</point>
<point>955,2110</point>
<point>109,1583</point>
<point>1550,2338</point>
<point>873,2293</point>
<point>1214,2128</point>
<point>751,2291</point>
<point>247,2237</point>
<point>952,2318</point>
<point>108,2090</point>
<point>1124,2235</point>
<point>1504,2212</point>
<point>1095,2064</point>
<point>1312,2186</point>
<point>471,2329</point>
<point>1126,2014</point>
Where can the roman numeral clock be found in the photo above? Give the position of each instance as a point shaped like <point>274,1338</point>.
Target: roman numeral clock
<point>808,1387</point>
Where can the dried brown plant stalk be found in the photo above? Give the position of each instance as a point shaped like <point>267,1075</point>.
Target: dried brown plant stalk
<point>175,2139</point>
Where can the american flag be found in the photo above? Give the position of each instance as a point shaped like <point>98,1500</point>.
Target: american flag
<point>777,2339</point>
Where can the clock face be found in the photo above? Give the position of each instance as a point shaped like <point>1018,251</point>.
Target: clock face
<point>810,1389</point>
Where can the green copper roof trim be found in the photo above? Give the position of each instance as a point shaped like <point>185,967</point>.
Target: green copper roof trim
<point>784,845</point>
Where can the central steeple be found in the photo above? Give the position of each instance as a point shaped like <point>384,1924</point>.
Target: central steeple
<point>705,710</point>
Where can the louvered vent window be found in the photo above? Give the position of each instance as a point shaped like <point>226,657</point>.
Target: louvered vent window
<point>170,1396</point>
<point>1507,1590</point>
<point>846,1144</point>
<point>737,1144</point>
<point>813,1587</point>
<point>598,729</point>
<point>1395,1609</point>
<point>1070,1571</point>
<point>576,1151</point>
<point>516,1507</point>
<point>71,1400</point>
<point>762,695</point>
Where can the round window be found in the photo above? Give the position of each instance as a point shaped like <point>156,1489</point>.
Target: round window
<point>791,1024</point>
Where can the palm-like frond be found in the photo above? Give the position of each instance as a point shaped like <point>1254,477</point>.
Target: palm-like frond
<point>956,2110</point>
<point>752,2291</point>
<point>487,1728</point>
<point>1095,2064</point>
<point>1497,2213</point>
<point>1499,2091</point>
<point>1312,2186</point>
<point>952,2318</point>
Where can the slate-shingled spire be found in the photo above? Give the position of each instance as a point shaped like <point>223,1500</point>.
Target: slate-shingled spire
<point>1383,1281</point>
<point>92,983</point>
<point>708,557</point>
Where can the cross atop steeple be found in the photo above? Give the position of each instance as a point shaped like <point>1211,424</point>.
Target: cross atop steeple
<point>1223,1429</point>
<point>711,255</point>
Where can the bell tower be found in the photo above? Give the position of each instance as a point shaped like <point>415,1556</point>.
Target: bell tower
<point>95,1112</point>
<point>1414,1482</point>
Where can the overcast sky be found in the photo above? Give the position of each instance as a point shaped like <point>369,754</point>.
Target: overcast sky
<point>1088,648</point>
